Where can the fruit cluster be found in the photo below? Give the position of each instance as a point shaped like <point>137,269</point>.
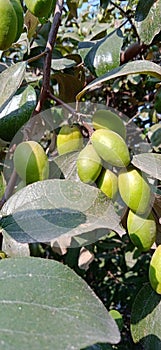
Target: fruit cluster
<point>105,161</point>
<point>11,23</point>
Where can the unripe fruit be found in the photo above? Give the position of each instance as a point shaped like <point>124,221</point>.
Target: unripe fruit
<point>111,147</point>
<point>88,165</point>
<point>142,230</point>
<point>31,162</point>
<point>8,24</point>
<point>40,8</point>
<point>134,190</point>
<point>69,139</point>
<point>105,119</point>
<point>20,19</point>
<point>155,270</point>
<point>107,183</point>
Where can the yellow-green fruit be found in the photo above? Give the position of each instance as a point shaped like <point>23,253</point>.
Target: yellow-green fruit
<point>142,230</point>
<point>107,183</point>
<point>105,119</point>
<point>134,190</point>
<point>20,19</point>
<point>111,147</point>
<point>117,317</point>
<point>155,270</point>
<point>31,162</point>
<point>8,24</point>
<point>69,139</point>
<point>40,8</point>
<point>88,165</point>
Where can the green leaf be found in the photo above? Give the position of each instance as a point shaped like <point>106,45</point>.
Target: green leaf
<point>45,305</point>
<point>16,113</point>
<point>150,163</point>
<point>147,19</point>
<point>45,210</point>
<point>146,318</point>
<point>105,54</point>
<point>142,9</point>
<point>136,67</point>
<point>10,80</point>
<point>62,63</point>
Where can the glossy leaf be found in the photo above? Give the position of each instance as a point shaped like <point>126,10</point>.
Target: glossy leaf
<point>43,303</point>
<point>150,163</point>
<point>105,54</point>
<point>147,19</point>
<point>45,210</point>
<point>146,318</point>
<point>10,80</point>
<point>17,112</point>
<point>136,67</point>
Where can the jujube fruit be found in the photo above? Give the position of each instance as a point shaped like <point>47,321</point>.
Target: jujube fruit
<point>31,162</point>
<point>20,18</point>
<point>69,139</point>
<point>11,22</point>
<point>155,270</point>
<point>106,119</point>
<point>107,183</point>
<point>40,8</point>
<point>111,147</point>
<point>142,230</point>
<point>88,165</point>
<point>134,190</point>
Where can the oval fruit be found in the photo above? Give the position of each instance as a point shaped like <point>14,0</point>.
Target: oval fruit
<point>134,190</point>
<point>40,8</point>
<point>31,162</point>
<point>8,24</point>
<point>111,147</point>
<point>20,19</point>
<point>155,270</point>
<point>88,165</point>
<point>107,183</point>
<point>69,139</point>
<point>142,230</point>
<point>106,119</point>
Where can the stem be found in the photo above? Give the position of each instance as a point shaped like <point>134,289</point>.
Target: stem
<point>45,86</point>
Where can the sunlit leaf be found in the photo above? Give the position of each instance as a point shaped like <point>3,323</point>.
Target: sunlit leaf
<point>10,80</point>
<point>136,67</point>
<point>45,305</point>
<point>146,318</point>
<point>46,210</point>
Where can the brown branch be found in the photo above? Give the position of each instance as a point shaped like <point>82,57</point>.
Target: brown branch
<point>49,48</point>
<point>126,15</point>
<point>45,86</point>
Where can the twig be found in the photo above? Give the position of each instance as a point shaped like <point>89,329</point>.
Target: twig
<point>125,14</point>
<point>45,86</point>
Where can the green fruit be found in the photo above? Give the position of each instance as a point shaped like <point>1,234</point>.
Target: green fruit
<point>107,183</point>
<point>142,230</point>
<point>31,162</point>
<point>105,119</point>
<point>88,165</point>
<point>155,270</point>
<point>8,24</point>
<point>11,23</point>
<point>20,19</point>
<point>134,190</point>
<point>117,317</point>
<point>69,139</point>
<point>40,8</point>
<point>111,147</point>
